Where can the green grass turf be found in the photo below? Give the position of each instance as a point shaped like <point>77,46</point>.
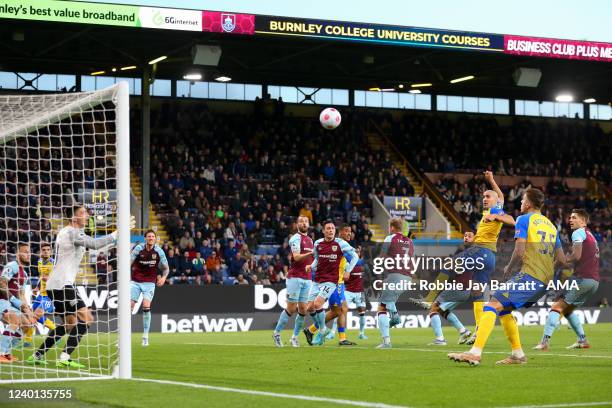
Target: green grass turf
<point>412,374</point>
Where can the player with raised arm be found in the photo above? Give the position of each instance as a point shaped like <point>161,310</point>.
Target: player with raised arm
<point>16,312</point>
<point>298,283</point>
<point>42,305</point>
<point>70,246</point>
<point>484,246</point>
<point>329,269</point>
<point>146,261</point>
<point>395,245</point>
<point>537,245</point>
<point>585,256</point>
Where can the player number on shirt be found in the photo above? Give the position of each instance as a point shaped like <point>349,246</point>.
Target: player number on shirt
<point>548,247</point>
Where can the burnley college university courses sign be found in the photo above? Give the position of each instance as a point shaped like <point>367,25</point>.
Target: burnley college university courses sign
<point>263,25</point>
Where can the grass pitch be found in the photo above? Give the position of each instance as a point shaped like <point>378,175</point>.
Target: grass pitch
<point>411,374</point>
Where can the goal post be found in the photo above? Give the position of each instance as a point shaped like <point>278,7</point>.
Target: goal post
<point>57,150</point>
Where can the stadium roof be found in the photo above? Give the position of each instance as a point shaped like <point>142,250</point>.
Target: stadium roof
<point>45,47</point>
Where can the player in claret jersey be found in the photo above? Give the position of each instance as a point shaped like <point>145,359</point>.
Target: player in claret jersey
<point>17,316</point>
<point>329,269</point>
<point>395,245</point>
<point>449,299</point>
<point>585,256</point>
<point>298,283</point>
<point>146,261</point>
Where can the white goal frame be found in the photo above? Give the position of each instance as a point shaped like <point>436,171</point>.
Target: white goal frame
<point>119,95</point>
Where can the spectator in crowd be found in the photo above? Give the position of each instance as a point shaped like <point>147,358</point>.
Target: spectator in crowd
<point>102,268</point>
<point>185,270</point>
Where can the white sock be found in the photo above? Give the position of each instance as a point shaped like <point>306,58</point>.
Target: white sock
<point>476,351</point>
<point>441,338</point>
<point>518,353</point>
<point>64,356</point>
<point>386,340</point>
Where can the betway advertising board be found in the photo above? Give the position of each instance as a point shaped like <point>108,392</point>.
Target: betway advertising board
<point>188,309</point>
<point>229,22</point>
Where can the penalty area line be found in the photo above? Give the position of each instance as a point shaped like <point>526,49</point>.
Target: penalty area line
<point>273,394</point>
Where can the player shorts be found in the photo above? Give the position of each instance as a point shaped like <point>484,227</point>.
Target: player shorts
<point>321,289</point>
<point>450,299</point>
<point>6,306</point>
<point>524,291</point>
<point>586,288</point>
<point>356,298</point>
<point>483,260</point>
<point>337,298</point>
<point>44,303</point>
<point>298,290</point>
<point>391,296</point>
<point>66,300</point>
<point>146,288</point>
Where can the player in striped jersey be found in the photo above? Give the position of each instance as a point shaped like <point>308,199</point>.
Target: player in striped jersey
<point>585,256</point>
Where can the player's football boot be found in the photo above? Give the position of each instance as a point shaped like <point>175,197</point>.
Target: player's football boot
<point>543,346</point>
<point>420,302</point>
<point>346,343</point>
<point>308,335</point>
<point>68,364</point>
<point>438,342</point>
<point>145,341</point>
<point>278,342</point>
<point>464,337</point>
<point>512,360</point>
<point>319,339</point>
<point>330,335</point>
<point>394,320</point>
<point>384,346</point>
<point>467,357</point>
<point>362,336</point>
<point>471,340</point>
<point>580,344</point>
<point>294,342</point>
<point>35,361</point>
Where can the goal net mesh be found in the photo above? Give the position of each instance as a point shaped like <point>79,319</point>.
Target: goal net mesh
<point>55,151</point>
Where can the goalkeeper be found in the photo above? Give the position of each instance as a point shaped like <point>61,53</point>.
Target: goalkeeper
<point>70,245</point>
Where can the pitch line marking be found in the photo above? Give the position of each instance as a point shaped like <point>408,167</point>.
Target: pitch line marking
<point>273,394</point>
<point>564,405</point>
<point>402,348</point>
